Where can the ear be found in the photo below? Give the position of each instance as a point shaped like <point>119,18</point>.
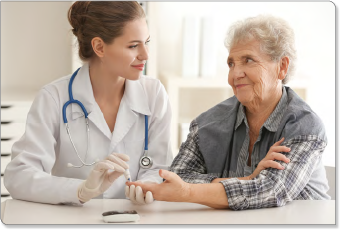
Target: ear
<point>98,46</point>
<point>283,68</point>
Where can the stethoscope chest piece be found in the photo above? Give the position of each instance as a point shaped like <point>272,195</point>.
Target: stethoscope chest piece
<point>146,162</point>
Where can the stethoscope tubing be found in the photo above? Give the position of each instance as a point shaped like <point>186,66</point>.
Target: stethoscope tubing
<point>71,101</point>
<point>146,133</point>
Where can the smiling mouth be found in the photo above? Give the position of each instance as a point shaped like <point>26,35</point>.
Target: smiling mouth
<point>240,86</point>
<point>139,67</point>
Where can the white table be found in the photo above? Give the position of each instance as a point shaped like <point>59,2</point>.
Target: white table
<point>297,212</point>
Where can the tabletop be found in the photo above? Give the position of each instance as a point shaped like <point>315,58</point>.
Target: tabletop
<point>159,212</point>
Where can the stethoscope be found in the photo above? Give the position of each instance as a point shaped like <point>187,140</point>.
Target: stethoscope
<point>145,161</point>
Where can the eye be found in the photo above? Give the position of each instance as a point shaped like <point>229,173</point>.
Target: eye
<point>249,60</point>
<point>230,64</point>
<point>132,47</point>
<point>147,42</point>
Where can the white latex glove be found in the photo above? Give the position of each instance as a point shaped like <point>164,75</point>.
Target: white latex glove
<point>135,194</point>
<point>101,176</point>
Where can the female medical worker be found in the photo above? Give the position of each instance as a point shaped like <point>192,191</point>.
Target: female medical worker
<point>118,100</point>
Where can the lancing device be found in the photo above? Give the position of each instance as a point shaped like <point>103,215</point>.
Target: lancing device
<point>127,175</point>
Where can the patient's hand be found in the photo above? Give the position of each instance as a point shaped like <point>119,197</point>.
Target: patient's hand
<point>267,162</point>
<point>173,189</point>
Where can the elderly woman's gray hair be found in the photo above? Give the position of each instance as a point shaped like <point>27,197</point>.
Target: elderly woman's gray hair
<point>276,37</point>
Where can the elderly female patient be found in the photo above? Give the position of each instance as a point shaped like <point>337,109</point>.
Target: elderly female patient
<point>261,148</point>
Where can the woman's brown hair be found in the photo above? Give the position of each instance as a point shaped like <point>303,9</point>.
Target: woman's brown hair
<point>104,19</point>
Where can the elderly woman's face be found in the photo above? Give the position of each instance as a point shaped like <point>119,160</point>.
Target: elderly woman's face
<point>253,76</point>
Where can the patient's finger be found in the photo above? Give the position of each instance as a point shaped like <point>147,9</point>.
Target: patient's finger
<point>273,164</point>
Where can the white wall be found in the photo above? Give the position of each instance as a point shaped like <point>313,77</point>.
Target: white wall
<point>314,25</point>
<point>35,44</point>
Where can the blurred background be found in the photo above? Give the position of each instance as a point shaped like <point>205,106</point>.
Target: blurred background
<point>187,54</point>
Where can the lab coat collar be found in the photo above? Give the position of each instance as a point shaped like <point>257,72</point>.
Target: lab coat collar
<point>136,97</point>
<point>82,91</point>
<point>134,101</point>
<point>127,118</point>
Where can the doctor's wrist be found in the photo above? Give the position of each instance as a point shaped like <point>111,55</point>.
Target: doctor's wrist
<point>81,196</point>
<point>84,194</point>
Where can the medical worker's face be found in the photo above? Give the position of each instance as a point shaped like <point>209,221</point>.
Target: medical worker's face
<point>127,54</point>
<point>253,76</point>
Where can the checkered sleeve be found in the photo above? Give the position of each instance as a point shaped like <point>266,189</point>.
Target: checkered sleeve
<point>189,164</point>
<point>273,187</point>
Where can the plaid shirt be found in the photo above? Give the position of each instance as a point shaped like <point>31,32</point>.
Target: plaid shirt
<point>272,187</point>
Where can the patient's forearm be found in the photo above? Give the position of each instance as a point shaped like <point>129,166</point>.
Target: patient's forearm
<point>212,195</point>
<point>217,180</point>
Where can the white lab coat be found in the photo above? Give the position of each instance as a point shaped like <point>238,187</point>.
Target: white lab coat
<point>38,171</point>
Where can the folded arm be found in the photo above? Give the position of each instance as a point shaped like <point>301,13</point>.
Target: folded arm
<point>271,187</point>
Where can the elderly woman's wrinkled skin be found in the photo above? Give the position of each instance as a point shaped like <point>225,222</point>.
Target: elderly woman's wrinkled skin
<point>254,77</point>
<point>256,81</point>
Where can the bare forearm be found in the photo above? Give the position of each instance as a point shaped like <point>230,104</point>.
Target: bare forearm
<point>212,195</point>
<point>217,180</point>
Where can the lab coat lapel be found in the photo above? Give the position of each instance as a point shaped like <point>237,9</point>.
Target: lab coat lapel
<point>82,91</point>
<point>124,121</point>
<point>133,104</point>
<point>137,97</point>
<point>97,118</point>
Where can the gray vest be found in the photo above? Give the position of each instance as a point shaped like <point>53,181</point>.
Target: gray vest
<point>216,131</point>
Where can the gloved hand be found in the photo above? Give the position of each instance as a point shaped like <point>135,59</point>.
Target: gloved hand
<point>100,178</point>
<point>135,194</point>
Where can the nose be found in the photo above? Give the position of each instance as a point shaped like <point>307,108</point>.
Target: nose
<point>144,53</point>
<point>237,72</point>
